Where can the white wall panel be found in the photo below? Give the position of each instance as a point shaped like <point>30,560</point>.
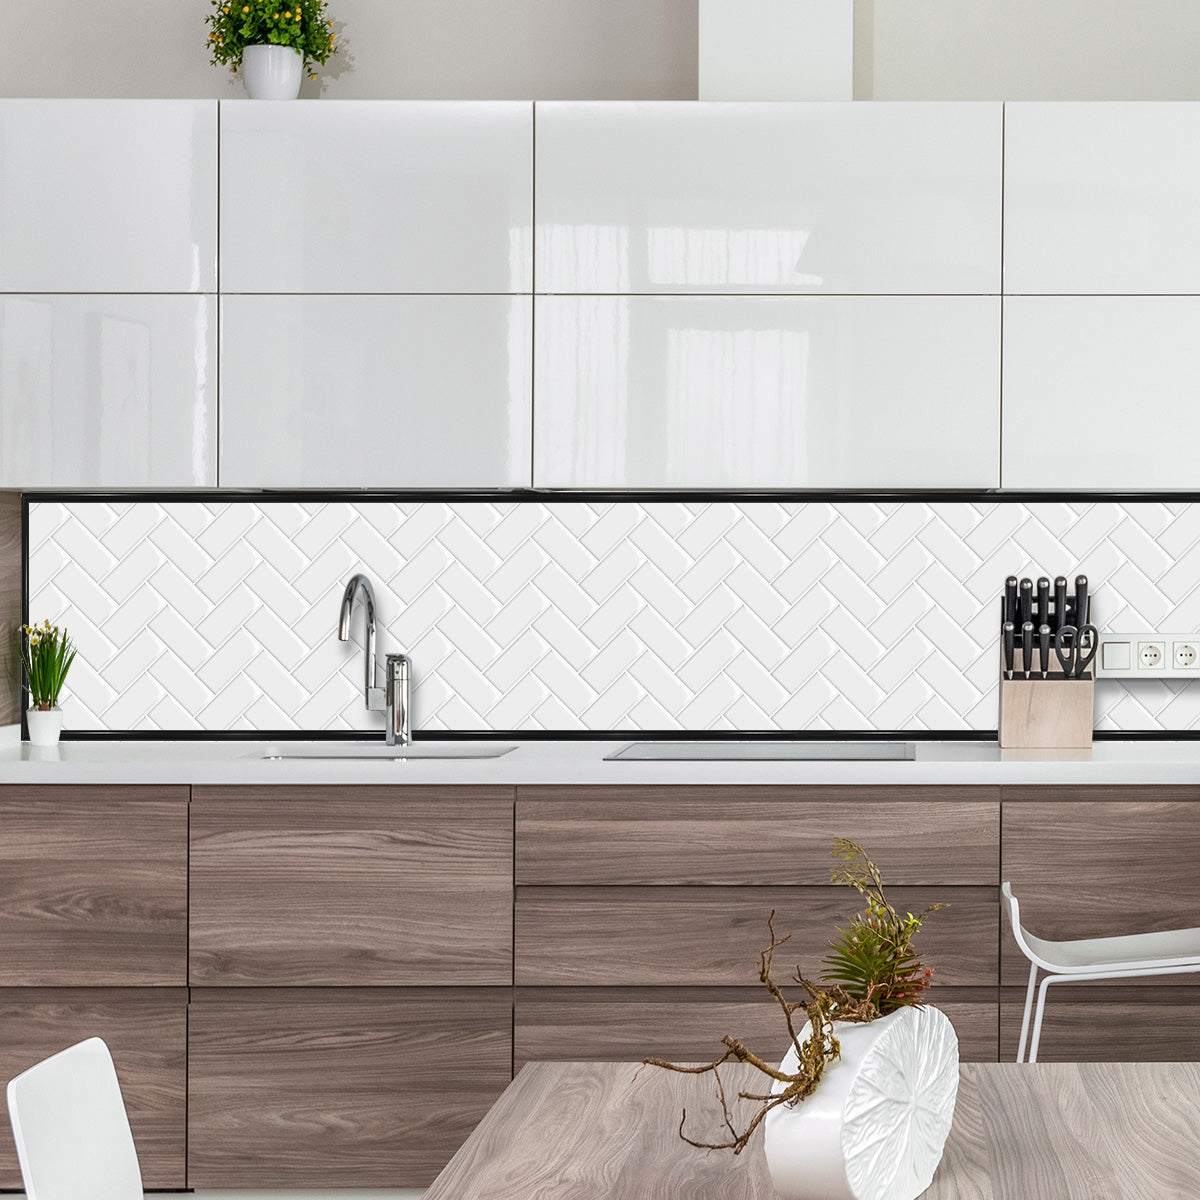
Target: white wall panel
<point>375,391</point>
<point>1102,198</point>
<point>376,197</point>
<point>656,198</point>
<point>766,392</point>
<point>108,195</point>
<point>107,391</point>
<point>1100,392</point>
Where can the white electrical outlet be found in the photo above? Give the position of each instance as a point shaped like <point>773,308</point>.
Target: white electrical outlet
<point>1148,656</point>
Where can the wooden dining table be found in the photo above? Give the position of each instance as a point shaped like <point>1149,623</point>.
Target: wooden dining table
<point>1042,1131</point>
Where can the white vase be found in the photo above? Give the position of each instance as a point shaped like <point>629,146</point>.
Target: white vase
<point>272,72</point>
<point>44,726</point>
<point>877,1123</point>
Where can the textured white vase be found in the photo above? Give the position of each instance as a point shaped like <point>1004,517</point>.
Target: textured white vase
<point>876,1125</point>
<point>272,72</point>
<point>44,726</point>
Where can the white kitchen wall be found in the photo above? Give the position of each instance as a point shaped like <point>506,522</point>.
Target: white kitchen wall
<point>598,615</point>
<point>615,50</point>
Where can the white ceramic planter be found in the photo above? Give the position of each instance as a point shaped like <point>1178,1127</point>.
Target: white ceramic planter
<point>875,1127</point>
<point>44,726</point>
<point>272,72</point>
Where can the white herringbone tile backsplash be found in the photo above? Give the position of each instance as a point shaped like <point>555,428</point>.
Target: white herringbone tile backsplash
<point>571,615</point>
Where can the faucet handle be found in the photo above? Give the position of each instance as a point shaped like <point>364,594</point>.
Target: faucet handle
<point>396,679</point>
<point>376,699</point>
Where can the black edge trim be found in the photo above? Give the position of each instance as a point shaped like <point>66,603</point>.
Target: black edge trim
<point>543,495</point>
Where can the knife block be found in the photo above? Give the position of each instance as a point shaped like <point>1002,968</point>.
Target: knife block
<point>1052,714</point>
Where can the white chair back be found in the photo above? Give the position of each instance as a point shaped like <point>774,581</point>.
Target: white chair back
<point>1036,949</point>
<point>71,1130</point>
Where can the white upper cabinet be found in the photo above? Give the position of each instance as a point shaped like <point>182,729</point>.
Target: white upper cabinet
<point>1102,198</point>
<point>708,197</point>
<point>107,391</point>
<point>108,195</point>
<point>1100,392</point>
<point>376,196</point>
<point>767,391</point>
<point>375,391</point>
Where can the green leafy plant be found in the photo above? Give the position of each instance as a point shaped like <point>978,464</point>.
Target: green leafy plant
<point>301,24</point>
<point>872,969</point>
<point>874,959</point>
<point>47,654</point>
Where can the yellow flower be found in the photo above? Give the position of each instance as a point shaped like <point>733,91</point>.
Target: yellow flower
<point>47,622</point>
<point>287,16</point>
<point>245,8</point>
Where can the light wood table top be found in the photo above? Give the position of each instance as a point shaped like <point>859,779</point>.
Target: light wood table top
<point>1046,1131</point>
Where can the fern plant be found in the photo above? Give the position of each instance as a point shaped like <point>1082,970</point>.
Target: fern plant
<point>873,959</point>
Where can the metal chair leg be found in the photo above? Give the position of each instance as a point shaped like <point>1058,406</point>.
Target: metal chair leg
<point>1028,1009</point>
<point>1041,1008</point>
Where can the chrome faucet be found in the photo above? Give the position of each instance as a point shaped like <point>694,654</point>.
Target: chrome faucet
<point>393,697</point>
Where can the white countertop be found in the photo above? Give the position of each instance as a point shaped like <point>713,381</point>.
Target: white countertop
<point>582,762</point>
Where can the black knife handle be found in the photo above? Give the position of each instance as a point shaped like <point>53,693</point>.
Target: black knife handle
<point>1010,599</point>
<point>1027,647</point>
<point>1081,600</point>
<point>1010,645</point>
<point>1043,601</point>
<point>1044,648</point>
<point>1060,602</point>
<point>1026,613</point>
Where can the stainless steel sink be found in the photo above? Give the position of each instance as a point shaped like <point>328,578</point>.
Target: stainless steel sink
<point>367,752</point>
<point>760,751</point>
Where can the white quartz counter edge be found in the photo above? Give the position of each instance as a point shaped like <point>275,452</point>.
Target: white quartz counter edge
<point>582,762</point>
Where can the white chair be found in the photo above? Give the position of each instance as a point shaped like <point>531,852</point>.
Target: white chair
<point>1167,952</point>
<point>70,1127</point>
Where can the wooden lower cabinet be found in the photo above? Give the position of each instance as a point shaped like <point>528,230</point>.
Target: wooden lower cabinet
<point>339,1087</point>
<point>712,936</point>
<point>351,887</point>
<point>687,1024</point>
<point>93,886</point>
<point>1098,862</point>
<point>146,1031</point>
<point>1108,1022</point>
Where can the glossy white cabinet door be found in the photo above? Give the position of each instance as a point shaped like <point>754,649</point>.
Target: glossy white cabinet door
<point>376,196</point>
<point>1102,198</point>
<point>108,195</point>
<point>1100,392</point>
<point>375,391</point>
<point>766,392</point>
<point>822,197</point>
<point>108,391</point>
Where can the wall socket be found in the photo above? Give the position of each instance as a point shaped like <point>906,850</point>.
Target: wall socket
<point>1148,656</point>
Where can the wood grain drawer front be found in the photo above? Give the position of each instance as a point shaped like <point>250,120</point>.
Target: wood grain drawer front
<point>1103,1022</point>
<point>734,835</point>
<point>348,1088</point>
<point>1100,868</point>
<point>93,886</point>
<point>687,1024</point>
<point>684,936</point>
<point>146,1031</point>
<point>351,886</point>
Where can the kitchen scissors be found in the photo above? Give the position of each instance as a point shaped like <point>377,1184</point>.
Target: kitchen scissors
<point>1076,648</point>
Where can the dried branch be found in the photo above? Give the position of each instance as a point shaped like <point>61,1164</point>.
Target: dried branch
<point>873,969</point>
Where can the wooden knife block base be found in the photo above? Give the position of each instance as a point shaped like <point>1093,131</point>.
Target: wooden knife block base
<point>1050,714</point>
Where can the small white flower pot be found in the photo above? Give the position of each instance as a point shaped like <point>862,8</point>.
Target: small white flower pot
<point>45,725</point>
<point>876,1125</point>
<point>272,72</point>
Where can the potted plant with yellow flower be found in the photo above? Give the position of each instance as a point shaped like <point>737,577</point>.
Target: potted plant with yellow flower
<point>273,41</point>
<point>47,654</point>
